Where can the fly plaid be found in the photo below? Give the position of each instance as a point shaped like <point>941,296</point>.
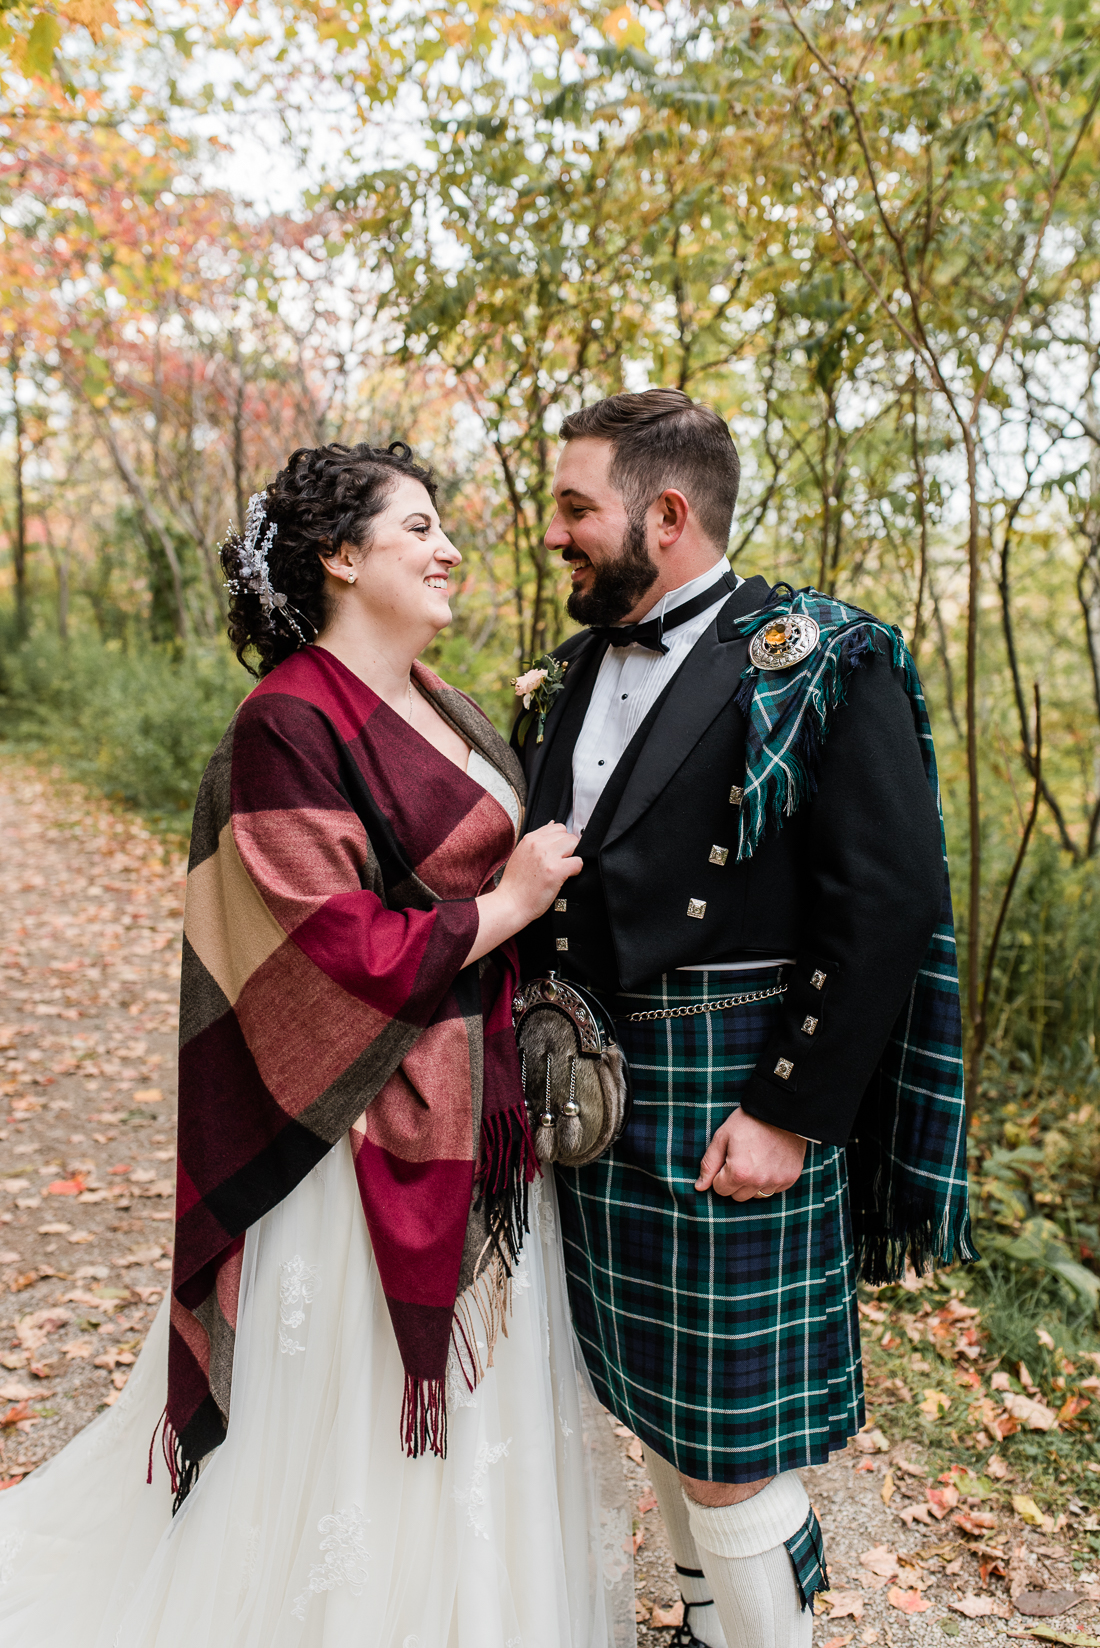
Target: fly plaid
<point>907,1154</point>
<point>335,860</point>
<point>723,1333</point>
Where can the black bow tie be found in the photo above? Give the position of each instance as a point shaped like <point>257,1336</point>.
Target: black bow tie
<point>651,632</point>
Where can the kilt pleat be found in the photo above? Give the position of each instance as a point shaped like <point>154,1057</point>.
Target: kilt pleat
<point>723,1333</point>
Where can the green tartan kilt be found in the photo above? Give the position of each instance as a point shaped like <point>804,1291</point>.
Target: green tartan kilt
<point>723,1333</point>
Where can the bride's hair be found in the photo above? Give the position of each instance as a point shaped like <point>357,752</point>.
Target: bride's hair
<point>325,496</point>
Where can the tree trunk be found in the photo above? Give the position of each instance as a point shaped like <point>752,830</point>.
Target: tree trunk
<point>974,798</point>
<point>133,485</point>
<point>19,545</point>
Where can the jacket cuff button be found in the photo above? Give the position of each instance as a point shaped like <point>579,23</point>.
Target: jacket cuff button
<point>784,1069</point>
<point>809,1025</point>
<point>817,978</point>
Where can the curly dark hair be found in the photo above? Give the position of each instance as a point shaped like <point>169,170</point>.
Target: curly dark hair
<point>324,497</point>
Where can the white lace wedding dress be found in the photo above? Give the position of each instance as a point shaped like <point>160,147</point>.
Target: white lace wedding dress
<point>309,1528</point>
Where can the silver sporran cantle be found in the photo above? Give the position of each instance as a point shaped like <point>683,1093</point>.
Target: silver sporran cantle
<point>575,1078</point>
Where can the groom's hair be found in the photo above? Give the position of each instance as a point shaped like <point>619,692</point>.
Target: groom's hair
<point>661,438</point>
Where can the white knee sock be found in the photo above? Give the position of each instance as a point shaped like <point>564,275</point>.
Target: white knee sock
<point>703,1623</point>
<point>742,1553</point>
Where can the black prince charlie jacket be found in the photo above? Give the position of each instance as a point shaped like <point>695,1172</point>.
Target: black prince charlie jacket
<point>850,886</point>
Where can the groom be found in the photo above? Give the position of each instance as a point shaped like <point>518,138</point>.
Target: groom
<point>763,876</point>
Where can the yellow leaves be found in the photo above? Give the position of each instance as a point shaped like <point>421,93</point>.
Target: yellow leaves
<point>886,1492</point>
<point>933,1403</point>
<point>1029,1512</point>
<point>623,29</point>
<point>89,14</point>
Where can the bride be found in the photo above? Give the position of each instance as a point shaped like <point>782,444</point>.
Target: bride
<point>376,1431</point>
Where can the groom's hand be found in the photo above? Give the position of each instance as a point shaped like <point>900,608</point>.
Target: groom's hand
<point>748,1158</point>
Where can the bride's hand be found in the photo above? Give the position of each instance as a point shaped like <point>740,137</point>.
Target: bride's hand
<point>536,870</point>
<point>534,873</point>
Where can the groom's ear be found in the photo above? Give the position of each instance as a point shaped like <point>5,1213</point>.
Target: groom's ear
<point>672,512</point>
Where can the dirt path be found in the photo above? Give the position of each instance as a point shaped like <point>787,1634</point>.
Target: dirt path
<point>90,914</point>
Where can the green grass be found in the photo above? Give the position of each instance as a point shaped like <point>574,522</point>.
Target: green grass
<point>137,723</point>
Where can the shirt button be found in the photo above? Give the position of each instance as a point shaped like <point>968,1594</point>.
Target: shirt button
<point>599,763</point>
<point>626,695</point>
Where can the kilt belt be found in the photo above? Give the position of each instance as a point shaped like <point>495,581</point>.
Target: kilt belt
<point>723,1333</point>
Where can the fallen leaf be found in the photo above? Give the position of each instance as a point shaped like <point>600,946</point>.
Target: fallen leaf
<point>839,1642</point>
<point>871,1440</point>
<point>975,1607</point>
<point>1044,1338</point>
<point>886,1492</point>
<point>149,1095</point>
<point>1073,1639</point>
<point>880,1560</point>
<point>996,1467</point>
<point>146,1255</point>
<point>942,1500</point>
<point>13,1391</point>
<point>10,1258</point>
<point>65,1187</point>
<point>648,1502</point>
<point>974,1522</point>
<point>1045,1604</point>
<point>638,1541</point>
<point>672,1615</point>
<point>1000,1382</point>
<point>18,1415</point>
<point>908,1602</point>
<point>867,1465</point>
<point>634,1449</point>
<point>1071,1407</point>
<point>916,1513</point>
<point>845,1604</point>
<point>1036,1416</point>
<point>79,1237</point>
<point>53,1230</point>
<point>1025,1507</point>
<point>642,1611</point>
<point>934,1402</point>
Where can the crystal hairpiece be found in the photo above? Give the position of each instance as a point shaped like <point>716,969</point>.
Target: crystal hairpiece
<point>255,576</point>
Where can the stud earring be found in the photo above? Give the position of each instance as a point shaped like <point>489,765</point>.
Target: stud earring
<point>352,577</point>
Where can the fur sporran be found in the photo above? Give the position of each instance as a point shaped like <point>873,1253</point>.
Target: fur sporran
<point>575,1078</point>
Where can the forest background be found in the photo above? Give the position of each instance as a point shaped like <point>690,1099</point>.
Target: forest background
<point>869,234</point>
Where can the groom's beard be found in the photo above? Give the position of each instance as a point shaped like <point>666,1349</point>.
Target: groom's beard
<point>618,585</point>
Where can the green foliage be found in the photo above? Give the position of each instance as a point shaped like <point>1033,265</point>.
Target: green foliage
<point>139,724</point>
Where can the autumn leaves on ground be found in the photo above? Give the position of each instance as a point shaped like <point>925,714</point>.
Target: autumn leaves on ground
<point>936,1525</point>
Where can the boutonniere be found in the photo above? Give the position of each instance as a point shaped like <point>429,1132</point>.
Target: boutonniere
<point>538,689</point>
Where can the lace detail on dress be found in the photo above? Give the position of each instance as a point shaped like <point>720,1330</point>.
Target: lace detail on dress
<point>298,1285</point>
<point>345,1557</point>
<point>547,1224</point>
<point>474,1497</point>
<point>10,1546</point>
<point>250,1560</point>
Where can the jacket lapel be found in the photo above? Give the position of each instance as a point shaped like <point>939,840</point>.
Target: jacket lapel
<point>704,684</point>
<point>550,764</point>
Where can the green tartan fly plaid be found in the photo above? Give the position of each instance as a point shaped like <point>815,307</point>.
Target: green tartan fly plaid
<point>723,1333</point>
<point>907,1154</point>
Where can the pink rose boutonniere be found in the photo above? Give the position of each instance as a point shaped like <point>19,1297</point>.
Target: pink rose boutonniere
<point>538,688</point>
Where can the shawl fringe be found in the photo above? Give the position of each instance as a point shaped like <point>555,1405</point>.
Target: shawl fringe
<point>183,1473</point>
<point>506,1166</point>
<point>424,1416</point>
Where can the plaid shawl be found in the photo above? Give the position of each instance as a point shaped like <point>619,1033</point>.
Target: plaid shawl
<point>907,1155</point>
<point>334,863</point>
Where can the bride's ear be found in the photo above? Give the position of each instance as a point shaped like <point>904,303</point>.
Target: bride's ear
<point>339,565</point>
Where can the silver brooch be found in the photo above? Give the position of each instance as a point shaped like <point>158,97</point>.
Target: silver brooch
<point>783,642</point>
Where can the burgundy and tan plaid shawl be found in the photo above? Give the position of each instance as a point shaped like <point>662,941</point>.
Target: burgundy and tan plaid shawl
<point>334,863</point>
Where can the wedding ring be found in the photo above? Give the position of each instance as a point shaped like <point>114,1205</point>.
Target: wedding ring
<point>761,1195</point>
